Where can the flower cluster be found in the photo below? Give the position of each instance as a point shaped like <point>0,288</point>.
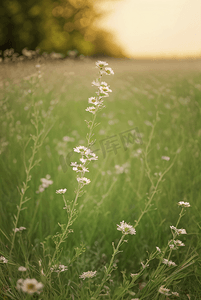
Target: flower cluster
<point>103,69</point>
<point>167,158</point>
<point>122,169</point>
<point>103,88</point>
<point>19,229</point>
<point>3,259</point>
<point>126,228</point>
<point>29,286</point>
<point>45,184</point>
<point>158,249</point>
<point>164,291</point>
<point>22,269</point>
<point>59,268</point>
<point>167,292</point>
<point>174,244</point>
<point>178,231</point>
<point>89,274</point>
<point>168,262</point>
<point>86,156</point>
<point>183,204</point>
<point>61,191</point>
<point>79,167</point>
<point>83,180</point>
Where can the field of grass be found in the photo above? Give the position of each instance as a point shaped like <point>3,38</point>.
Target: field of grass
<point>149,159</point>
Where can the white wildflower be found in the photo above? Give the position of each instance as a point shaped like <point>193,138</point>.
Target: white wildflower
<point>101,64</point>
<point>91,109</point>
<point>102,93</point>
<point>3,259</point>
<point>42,272</point>
<point>183,204</point>
<point>22,228</point>
<point>89,274</point>
<point>86,153</point>
<point>173,228</point>
<point>103,83</point>
<point>19,284</point>
<point>83,160</point>
<point>93,100</point>
<point>40,189</point>
<point>62,268</point>
<point>95,83</point>
<point>126,228</point>
<point>73,164</point>
<point>175,294</point>
<point>45,184</point>
<point>168,262</point>
<point>164,291</point>
<point>105,89</point>
<point>83,180</point>
<point>178,231</point>
<point>80,149</point>
<point>165,158</point>
<point>165,261</point>
<point>59,268</point>
<point>179,243</point>
<point>181,231</point>
<point>172,246</point>
<point>22,269</point>
<point>158,249</point>
<point>80,168</point>
<point>90,155</point>
<point>108,71</point>
<point>19,229</point>
<point>31,286</point>
<point>61,191</point>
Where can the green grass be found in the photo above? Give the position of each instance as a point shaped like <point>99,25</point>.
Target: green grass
<point>141,92</point>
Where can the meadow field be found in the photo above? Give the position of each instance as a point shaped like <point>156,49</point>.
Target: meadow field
<point>103,203</point>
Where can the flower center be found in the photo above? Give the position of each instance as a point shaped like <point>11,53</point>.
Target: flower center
<point>30,286</point>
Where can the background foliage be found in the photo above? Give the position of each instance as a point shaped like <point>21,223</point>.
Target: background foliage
<point>119,187</point>
<point>58,26</point>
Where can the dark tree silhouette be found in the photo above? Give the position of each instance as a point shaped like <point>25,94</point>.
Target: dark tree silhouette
<point>58,26</point>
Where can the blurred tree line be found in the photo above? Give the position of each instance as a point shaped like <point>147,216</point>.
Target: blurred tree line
<point>59,26</point>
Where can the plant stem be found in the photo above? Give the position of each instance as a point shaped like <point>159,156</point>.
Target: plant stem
<point>109,269</point>
<point>25,185</point>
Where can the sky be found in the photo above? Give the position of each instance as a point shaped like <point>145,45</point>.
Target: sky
<point>157,28</point>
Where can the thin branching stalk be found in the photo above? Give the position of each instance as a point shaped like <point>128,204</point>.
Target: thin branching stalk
<point>28,169</point>
<point>64,235</point>
<point>37,139</point>
<point>71,210</point>
<point>110,268</point>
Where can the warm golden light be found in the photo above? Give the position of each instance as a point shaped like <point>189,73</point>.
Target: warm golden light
<point>156,28</point>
